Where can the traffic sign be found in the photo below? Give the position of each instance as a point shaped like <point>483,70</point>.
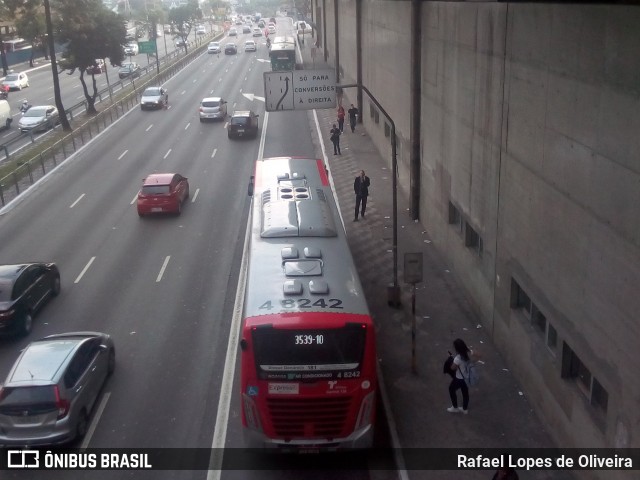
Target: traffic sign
<point>147,47</point>
<point>299,90</point>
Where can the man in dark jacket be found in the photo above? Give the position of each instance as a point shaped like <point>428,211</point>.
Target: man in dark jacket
<point>361,188</point>
<point>353,115</point>
<point>335,139</point>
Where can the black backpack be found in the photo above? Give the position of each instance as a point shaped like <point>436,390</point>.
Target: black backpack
<point>446,368</point>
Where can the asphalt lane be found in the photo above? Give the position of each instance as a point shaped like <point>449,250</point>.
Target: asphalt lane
<point>161,286</point>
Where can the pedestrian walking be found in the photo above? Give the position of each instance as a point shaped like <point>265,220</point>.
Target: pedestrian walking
<point>460,367</point>
<point>505,473</point>
<point>335,139</point>
<point>341,118</point>
<point>361,188</point>
<point>353,115</point>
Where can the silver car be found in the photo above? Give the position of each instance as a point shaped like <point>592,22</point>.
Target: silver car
<point>214,47</point>
<point>16,81</point>
<point>52,387</point>
<point>40,117</point>
<point>212,108</point>
<point>154,97</point>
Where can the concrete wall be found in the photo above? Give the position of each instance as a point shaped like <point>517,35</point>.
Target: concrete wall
<point>569,229</point>
<point>529,131</point>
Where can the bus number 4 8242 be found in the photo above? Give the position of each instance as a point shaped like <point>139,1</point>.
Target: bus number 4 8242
<point>302,303</point>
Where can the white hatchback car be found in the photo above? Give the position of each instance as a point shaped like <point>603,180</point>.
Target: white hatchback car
<point>249,46</point>
<point>16,81</point>
<point>214,47</point>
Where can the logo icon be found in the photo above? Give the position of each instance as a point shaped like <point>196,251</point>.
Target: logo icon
<point>23,459</point>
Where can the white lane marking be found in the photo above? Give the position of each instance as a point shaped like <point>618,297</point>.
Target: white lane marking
<point>195,80</point>
<point>164,266</point>
<point>149,127</point>
<point>134,199</point>
<point>167,154</point>
<point>187,125</point>
<point>183,92</point>
<point>123,154</point>
<point>77,200</point>
<point>226,388</point>
<point>195,195</point>
<point>95,420</point>
<point>241,89</point>
<point>211,92</point>
<point>79,97</point>
<point>84,270</point>
<point>50,98</point>
<point>213,154</point>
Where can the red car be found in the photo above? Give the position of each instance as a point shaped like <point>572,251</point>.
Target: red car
<point>162,193</point>
<point>4,91</point>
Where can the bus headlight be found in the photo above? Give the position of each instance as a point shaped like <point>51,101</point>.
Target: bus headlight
<point>365,416</point>
<point>251,415</point>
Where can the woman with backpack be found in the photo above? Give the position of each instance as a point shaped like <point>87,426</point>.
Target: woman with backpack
<point>460,366</point>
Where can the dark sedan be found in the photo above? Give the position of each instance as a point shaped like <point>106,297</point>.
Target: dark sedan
<point>25,289</point>
<point>230,49</point>
<point>129,70</point>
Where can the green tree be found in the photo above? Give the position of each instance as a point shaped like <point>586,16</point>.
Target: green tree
<point>89,31</point>
<point>184,18</point>
<point>33,29</point>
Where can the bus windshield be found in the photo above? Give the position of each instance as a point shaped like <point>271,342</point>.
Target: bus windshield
<point>294,354</point>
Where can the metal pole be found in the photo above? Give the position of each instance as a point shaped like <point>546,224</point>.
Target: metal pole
<point>414,369</point>
<point>393,291</point>
<point>106,74</point>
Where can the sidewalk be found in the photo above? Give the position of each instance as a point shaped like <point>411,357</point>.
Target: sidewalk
<point>500,415</point>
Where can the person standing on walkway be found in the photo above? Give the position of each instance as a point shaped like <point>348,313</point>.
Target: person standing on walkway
<point>335,139</point>
<point>341,118</point>
<point>361,188</point>
<point>353,115</point>
<point>460,367</point>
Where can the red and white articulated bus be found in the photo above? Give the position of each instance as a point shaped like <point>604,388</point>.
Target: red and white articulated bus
<point>308,343</point>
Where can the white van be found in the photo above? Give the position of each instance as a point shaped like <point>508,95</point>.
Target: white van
<point>5,114</point>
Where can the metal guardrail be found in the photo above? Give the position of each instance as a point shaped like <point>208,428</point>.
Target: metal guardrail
<point>29,172</point>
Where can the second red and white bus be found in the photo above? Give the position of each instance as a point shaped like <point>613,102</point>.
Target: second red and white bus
<point>308,369</point>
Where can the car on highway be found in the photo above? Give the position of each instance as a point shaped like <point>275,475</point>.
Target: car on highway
<point>249,46</point>
<point>16,81</point>
<point>243,123</point>
<point>131,49</point>
<point>162,193</point>
<point>257,32</point>
<point>261,24</point>
<point>24,289</point>
<point>129,70</point>
<point>201,30</point>
<point>233,32</point>
<point>213,47</point>
<point>98,67</point>
<point>230,49</point>
<point>154,97</point>
<point>52,388</point>
<point>39,118</point>
<point>246,29</point>
<point>180,42</point>
<point>212,108</point>
<point>271,29</point>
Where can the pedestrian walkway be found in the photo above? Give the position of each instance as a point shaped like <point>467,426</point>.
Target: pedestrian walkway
<point>500,415</point>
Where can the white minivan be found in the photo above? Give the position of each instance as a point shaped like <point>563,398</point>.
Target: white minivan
<point>5,114</point>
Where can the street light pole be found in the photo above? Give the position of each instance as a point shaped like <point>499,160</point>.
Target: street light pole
<point>393,290</point>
